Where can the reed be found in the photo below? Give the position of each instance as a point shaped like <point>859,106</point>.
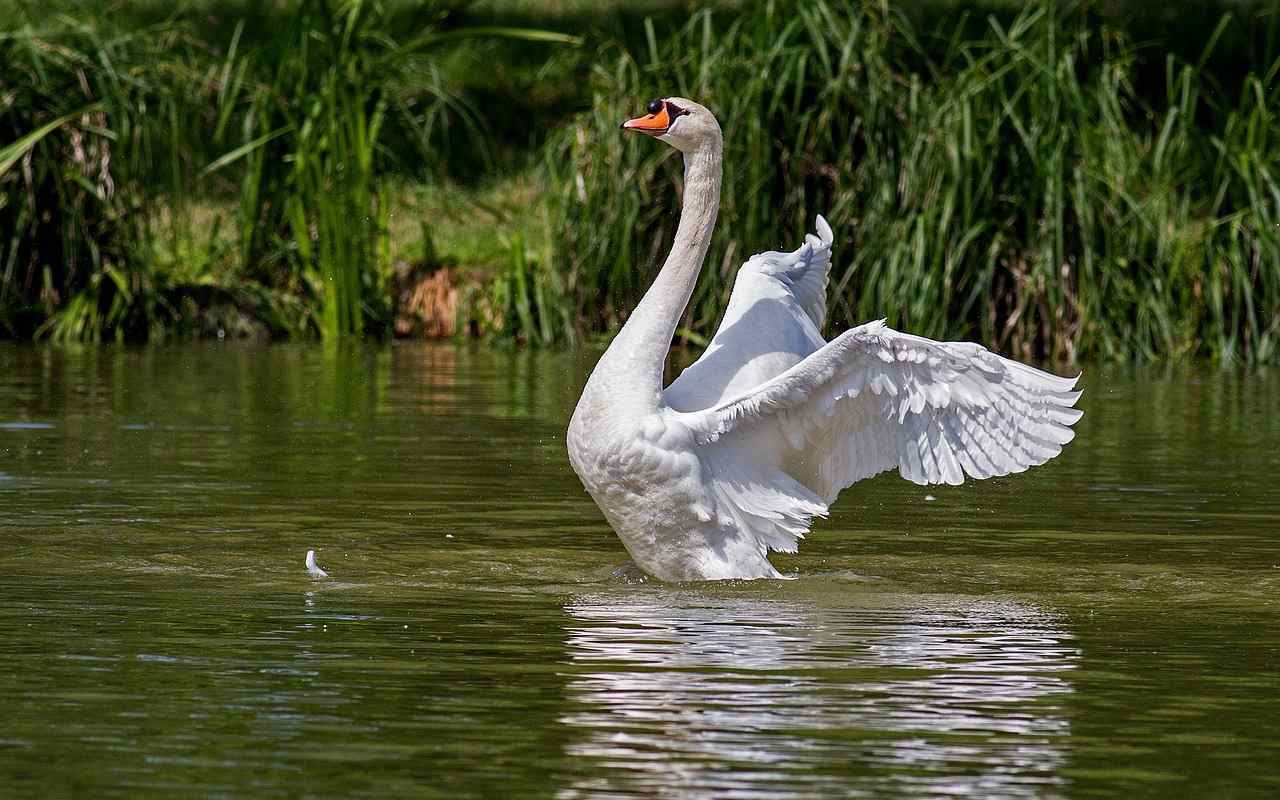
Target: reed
<point>1009,186</point>
<point>103,127</point>
<point>69,216</point>
<point>314,199</point>
<point>1033,179</point>
<point>311,217</point>
<point>292,111</point>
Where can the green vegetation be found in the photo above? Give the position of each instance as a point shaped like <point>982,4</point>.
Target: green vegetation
<point>1010,187</point>
<point>1060,181</point>
<point>73,210</point>
<point>124,208</point>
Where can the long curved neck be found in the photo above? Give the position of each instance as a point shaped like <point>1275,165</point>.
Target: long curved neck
<point>639,351</point>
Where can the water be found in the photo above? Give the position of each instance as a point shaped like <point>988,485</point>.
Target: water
<point>1107,624</point>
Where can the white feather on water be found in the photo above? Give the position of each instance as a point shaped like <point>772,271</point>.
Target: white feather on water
<point>313,569</point>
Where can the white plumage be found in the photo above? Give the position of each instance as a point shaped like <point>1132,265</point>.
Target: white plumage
<point>313,569</point>
<point>735,458</point>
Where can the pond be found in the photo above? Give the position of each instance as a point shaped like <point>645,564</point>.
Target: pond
<point>1107,623</point>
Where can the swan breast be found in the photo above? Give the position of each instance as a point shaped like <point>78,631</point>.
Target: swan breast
<point>643,473</point>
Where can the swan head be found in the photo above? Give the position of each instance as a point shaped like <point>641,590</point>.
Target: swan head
<point>681,123</point>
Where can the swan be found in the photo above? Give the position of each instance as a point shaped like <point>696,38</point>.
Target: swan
<point>703,478</point>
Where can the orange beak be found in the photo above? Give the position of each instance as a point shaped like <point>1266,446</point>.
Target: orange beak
<point>652,124</point>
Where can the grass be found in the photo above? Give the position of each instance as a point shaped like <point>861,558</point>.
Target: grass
<point>1010,187</point>
<point>100,124</point>
<point>1063,181</point>
<point>309,120</point>
<point>312,216</point>
<point>66,210</point>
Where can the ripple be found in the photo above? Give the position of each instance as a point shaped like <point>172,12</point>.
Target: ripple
<point>750,697</point>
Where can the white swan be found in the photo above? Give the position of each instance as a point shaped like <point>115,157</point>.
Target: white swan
<point>734,458</point>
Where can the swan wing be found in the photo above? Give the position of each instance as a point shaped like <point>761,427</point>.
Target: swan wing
<point>772,322</point>
<point>870,400</point>
<point>803,272</point>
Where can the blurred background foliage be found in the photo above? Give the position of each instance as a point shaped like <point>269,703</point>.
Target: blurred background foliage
<point>1065,181</point>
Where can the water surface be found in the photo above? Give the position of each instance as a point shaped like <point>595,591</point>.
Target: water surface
<point>1106,624</point>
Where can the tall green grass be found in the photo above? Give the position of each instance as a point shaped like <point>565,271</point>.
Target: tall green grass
<point>311,217</point>
<point>70,218</point>
<point>1010,187</point>
<point>100,127</point>
<point>314,107</point>
<point>113,132</point>
<point>1035,179</point>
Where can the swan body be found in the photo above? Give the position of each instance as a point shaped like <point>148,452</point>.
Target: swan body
<point>702,478</point>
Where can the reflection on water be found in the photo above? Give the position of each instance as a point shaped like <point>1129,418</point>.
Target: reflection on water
<point>694,696</point>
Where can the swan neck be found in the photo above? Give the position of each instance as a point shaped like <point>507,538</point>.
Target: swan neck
<point>641,346</point>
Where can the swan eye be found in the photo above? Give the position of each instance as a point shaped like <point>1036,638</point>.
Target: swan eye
<point>674,111</point>
<point>654,106</point>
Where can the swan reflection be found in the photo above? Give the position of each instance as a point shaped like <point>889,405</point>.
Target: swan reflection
<point>689,695</point>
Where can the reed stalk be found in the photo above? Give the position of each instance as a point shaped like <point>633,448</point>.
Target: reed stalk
<point>1010,187</point>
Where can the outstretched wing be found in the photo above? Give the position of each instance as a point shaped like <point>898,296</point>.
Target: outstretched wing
<point>773,321</point>
<point>872,400</point>
<point>875,399</point>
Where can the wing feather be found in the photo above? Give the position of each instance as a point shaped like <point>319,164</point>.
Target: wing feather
<point>874,399</point>
<point>783,421</point>
<point>773,321</point>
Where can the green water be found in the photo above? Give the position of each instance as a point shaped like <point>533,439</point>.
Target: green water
<point>1108,624</point>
